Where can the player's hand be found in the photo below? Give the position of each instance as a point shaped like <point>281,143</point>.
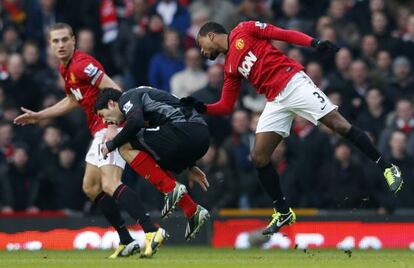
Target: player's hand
<point>193,102</point>
<point>197,175</point>
<point>29,117</point>
<point>324,45</point>
<point>110,133</point>
<point>104,150</point>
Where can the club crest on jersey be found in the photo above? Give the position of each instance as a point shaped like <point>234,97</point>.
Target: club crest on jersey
<point>239,43</point>
<point>90,70</point>
<point>261,25</point>
<point>247,64</point>
<point>127,106</point>
<point>72,77</point>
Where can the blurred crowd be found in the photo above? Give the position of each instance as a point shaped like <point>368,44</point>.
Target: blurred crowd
<point>152,43</point>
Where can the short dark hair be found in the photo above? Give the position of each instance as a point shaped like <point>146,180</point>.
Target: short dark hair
<point>213,27</point>
<point>104,96</point>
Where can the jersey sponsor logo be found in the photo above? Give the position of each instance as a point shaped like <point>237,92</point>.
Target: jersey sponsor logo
<point>261,25</point>
<point>247,64</point>
<point>90,70</point>
<point>127,106</point>
<point>239,44</point>
<point>77,93</point>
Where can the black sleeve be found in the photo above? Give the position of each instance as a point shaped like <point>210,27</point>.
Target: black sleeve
<point>134,122</point>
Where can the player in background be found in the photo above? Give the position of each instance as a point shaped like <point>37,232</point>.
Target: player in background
<point>289,92</point>
<point>175,135</point>
<point>84,77</point>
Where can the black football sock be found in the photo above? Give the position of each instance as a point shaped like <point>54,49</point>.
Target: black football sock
<point>270,182</point>
<point>111,212</point>
<point>129,200</point>
<point>364,144</point>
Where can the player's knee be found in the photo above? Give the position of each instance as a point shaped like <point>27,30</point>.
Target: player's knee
<point>108,188</point>
<point>260,159</point>
<point>90,191</point>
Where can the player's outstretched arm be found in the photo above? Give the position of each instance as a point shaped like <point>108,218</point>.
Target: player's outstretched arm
<point>195,174</point>
<point>64,106</point>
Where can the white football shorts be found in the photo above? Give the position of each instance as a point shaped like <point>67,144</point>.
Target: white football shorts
<point>300,97</point>
<point>94,155</point>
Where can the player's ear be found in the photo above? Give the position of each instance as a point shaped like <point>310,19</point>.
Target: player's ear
<point>211,35</point>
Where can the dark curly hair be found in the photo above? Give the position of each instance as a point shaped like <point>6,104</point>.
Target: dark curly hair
<point>104,96</point>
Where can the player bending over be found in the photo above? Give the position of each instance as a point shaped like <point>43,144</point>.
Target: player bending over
<point>289,92</point>
<point>175,136</point>
<point>84,77</point>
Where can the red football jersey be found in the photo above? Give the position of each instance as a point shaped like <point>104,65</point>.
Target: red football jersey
<point>250,55</point>
<point>82,77</point>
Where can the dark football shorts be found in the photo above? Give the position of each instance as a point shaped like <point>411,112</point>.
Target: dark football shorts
<point>175,146</point>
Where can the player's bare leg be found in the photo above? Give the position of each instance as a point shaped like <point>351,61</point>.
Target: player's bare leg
<point>265,144</point>
<point>176,193</point>
<point>92,188</point>
<point>335,121</point>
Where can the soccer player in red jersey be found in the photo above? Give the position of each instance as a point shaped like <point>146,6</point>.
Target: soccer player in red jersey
<point>84,77</point>
<point>289,92</point>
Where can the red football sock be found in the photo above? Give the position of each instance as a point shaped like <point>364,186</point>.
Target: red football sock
<point>188,205</point>
<point>148,168</point>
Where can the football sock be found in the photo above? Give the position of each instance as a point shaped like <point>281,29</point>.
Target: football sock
<point>364,144</point>
<point>148,168</point>
<point>112,214</point>
<point>270,182</point>
<point>188,205</point>
<point>129,200</point>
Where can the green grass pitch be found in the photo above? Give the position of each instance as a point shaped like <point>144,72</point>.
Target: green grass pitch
<point>200,257</point>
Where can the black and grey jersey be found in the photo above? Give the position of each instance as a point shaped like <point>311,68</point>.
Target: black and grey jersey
<point>156,107</point>
<point>147,107</point>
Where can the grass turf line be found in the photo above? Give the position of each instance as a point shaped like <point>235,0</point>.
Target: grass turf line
<point>203,257</point>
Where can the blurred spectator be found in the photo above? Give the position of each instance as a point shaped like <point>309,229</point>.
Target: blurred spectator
<point>372,118</point>
<point>238,148</point>
<point>11,38</point>
<point>3,62</point>
<point>174,15</point>
<point>403,121</point>
<point>315,72</point>
<point>360,84</point>
<point>296,54</point>
<point>219,126</point>
<point>340,75</point>
<point>305,142</point>
<point>223,190</point>
<point>220,11</point>
<point>198,19</point>
<point>19,182</point>
<point>40,16</point>
<point>381,74</point>
<point>341,182</point>
<point>144,49</point>
<point>407,44</point>
<point>192,78</point>
<point>47,162</point>
<point>402,82</point>
<point>6,139</point>
<point>292,18</point>
<point>20,87</point>
<point>369,48</point>
<point>381,30</point>
<point>398,155</point>
<point>165,64</point>
<point>347,30</point>
<point>67,181</point>
<point>253,10</point>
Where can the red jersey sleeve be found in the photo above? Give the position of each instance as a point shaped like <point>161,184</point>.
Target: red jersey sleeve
<point>88,69</point>
<point>268,31</point>
<point>229,95</point>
